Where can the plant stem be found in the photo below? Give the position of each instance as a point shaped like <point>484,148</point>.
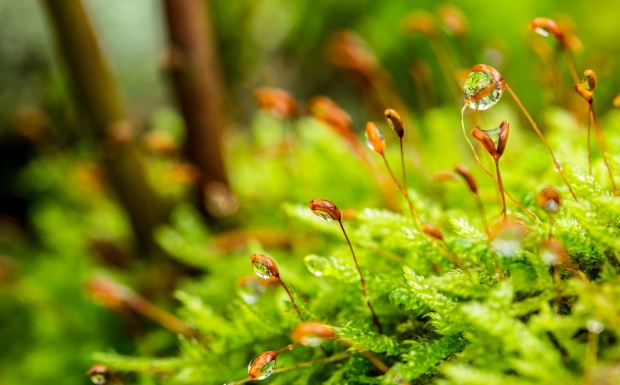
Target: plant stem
<point>414,213</point>
<point>162,317</point>
<point>501,190</point>
<point>196,80</point>
<point>526,211</point>
<point>571,65</point>
<point>498,268</point>
<point>556,164</point>
<point>362,281</point>
<point>292,299</point>
<point>600,138</point>
<point>589,146</point>
<point>100,99</point>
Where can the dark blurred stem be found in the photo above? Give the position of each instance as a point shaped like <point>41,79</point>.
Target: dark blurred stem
<point>193,67</point>
<point>101,102</point>
<point>556,165</point>
<point>473,150</point>
<point>501,190</point>
<point>600,139</point>
<point>362,281</point>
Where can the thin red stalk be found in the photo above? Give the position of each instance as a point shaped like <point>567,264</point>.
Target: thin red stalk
<point>600,138</point>
<point>414,212</point>
<point>556,164</point>
<point>571,65</point>
<point>501,190</point>
<point>402,165</point>
<point>362,281</point>
<point>473,150</point>
<point>589,129</point>
<point>292,299</point>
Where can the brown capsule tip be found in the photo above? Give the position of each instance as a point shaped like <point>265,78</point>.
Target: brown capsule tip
<point>552,251</point>
<point>159,143</point>
<point>504,129</point>
<point>550,199</point>
<point>587,95</point>
<point>453,19</point>
<point>98,369</point>
<point>264,266</point>
<point>109,293</point>
<point>395,122</point>
<point>467,176</point>
<point>374,139</point>
<point>275,101</point>
<point>325,210</point>
<point>485,140</point>
<point>121,133</point>
<point>348,51</point>
<point>443,175</point>
<point>546,27</point>
<point>327,111</point>
<point>260,367</point>
<point>617,101</point>
<point>591,79</point>
<point>432,231</point>
<point>312,333</point>
<point>421,22</point>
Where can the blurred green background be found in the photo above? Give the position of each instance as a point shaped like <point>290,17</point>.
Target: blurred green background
<point>60,226</point>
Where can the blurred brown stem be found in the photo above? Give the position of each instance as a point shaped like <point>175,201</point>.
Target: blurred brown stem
<point>101,102</point>
<point>192,63</point>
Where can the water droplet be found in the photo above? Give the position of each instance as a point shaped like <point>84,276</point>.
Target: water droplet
<point>262,365</point>
<point>318,266</point>
<point>98,379</point>
<point>595,326</point>
<point>541,31</point>
<point>262,270</point>
<point>324,215</point>
<point>250,290</point>
<point>508,239</point>
<point>481,91</point>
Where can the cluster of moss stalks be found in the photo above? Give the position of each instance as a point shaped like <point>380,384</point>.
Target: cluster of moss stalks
<point>441,289</point>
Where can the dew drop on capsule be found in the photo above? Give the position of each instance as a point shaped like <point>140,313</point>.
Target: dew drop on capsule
<point>262,270</point>
<point>98,379</point>
<point>262,365</point>
<point>324,215</point>
<point>481,91</point>
<point>508,241</point>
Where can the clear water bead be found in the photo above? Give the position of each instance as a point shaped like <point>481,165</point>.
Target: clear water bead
<point>262,270</point>
<point>98,379</point>
<point>267,368</point>
<point>481,91</point>
<point>317,265</point>
<point>250,291</point>
<point>324,215</point>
